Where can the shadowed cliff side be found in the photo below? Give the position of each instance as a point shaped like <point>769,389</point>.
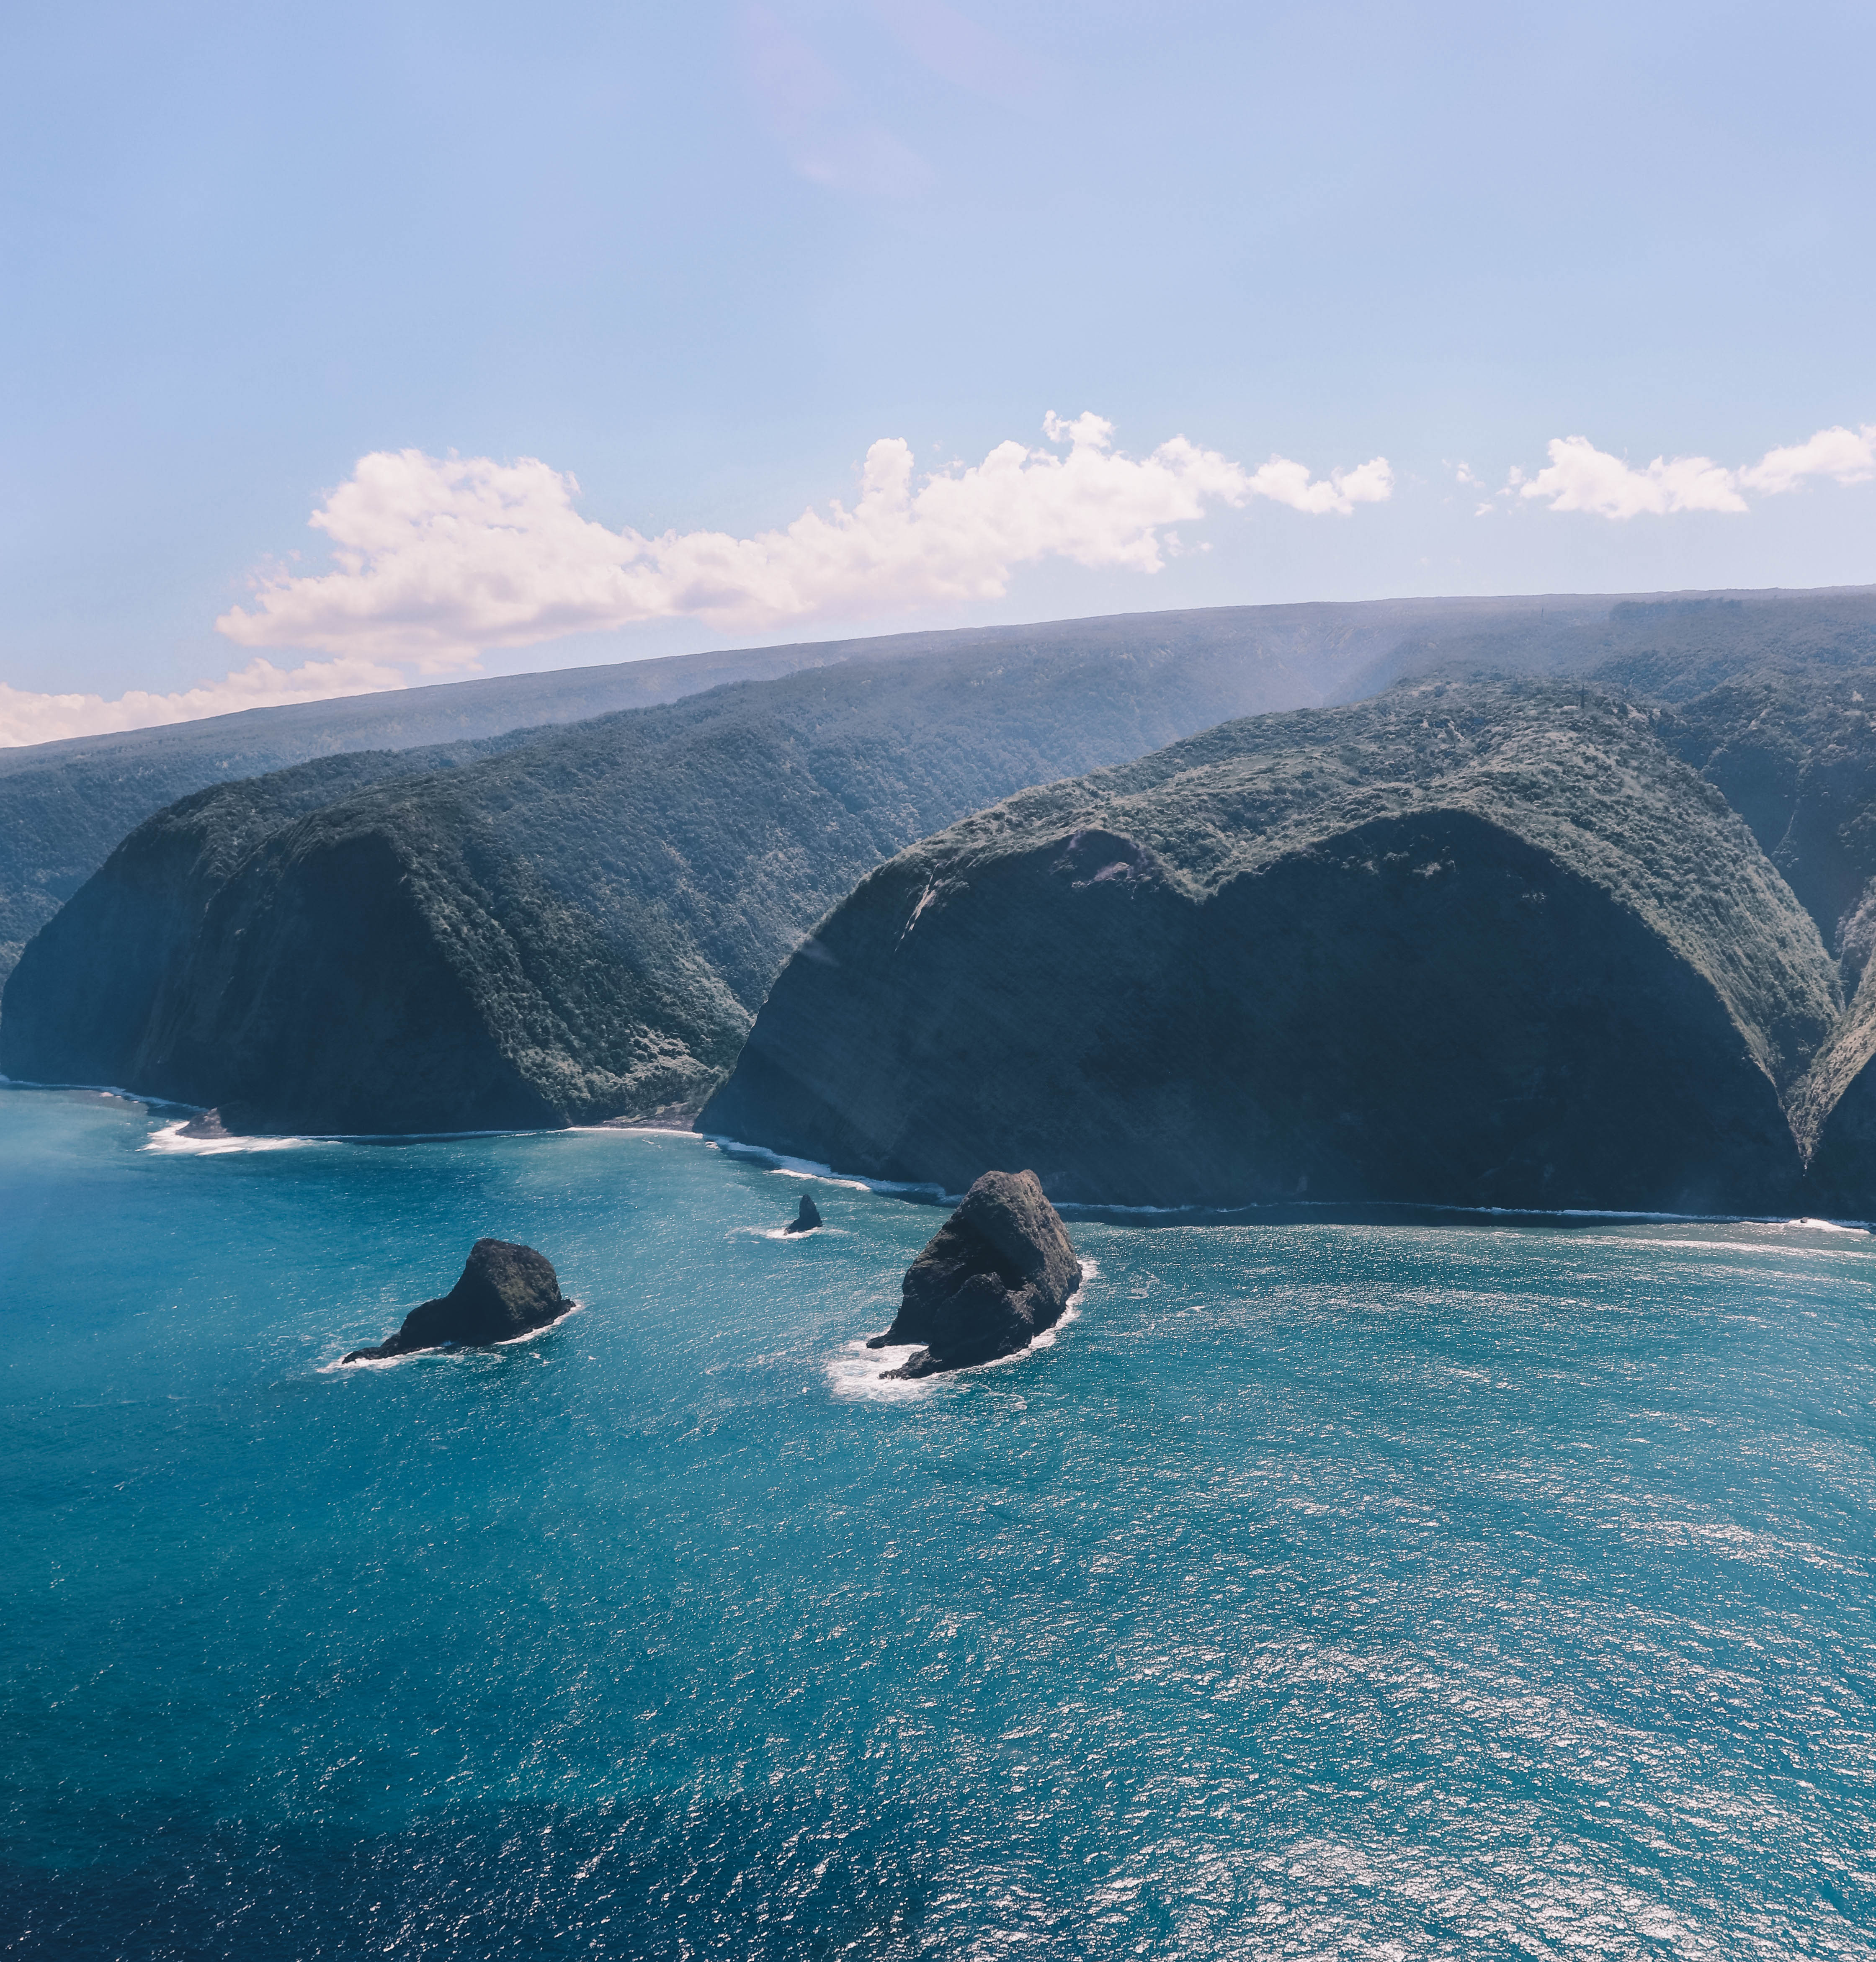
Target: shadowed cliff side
<point>1484,945</point>
<point>106,955</point>
<point>65,806</point>
<point>1795,755</point>
<point>577,928</point>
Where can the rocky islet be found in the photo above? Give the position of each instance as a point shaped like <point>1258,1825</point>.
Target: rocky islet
<point>505,1290</point>
<point>997,1274</point>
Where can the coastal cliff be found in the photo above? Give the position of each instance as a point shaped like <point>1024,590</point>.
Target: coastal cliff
<point>581,927</point>
<point>1485,944</point>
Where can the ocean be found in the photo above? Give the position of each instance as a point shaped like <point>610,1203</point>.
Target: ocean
<point>1332,1585</point>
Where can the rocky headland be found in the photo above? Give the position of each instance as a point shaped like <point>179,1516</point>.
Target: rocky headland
<point>505,1290</point>
<point>65,806</point>
<point>998,1273</point>
<point>1494,944</point>
<point>1480,942</point>
<point>582,926</point>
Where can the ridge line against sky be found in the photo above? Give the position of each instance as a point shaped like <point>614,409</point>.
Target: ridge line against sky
<point>438,561</point>
<point>664,284</point>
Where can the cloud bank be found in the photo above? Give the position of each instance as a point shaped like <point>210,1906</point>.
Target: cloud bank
<point>1581,478</point>
<point>439,560</point>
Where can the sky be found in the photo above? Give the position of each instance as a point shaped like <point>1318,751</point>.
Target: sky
<point>351,347</point>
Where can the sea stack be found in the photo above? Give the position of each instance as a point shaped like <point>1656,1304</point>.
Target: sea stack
<point>506,1290</point>
<point>997,1272</point>
<point>806,1219</point>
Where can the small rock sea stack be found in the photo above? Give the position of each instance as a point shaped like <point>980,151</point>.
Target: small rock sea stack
<point>806,1219</point>
<point>506,1290</point>
<point>998,1273</point>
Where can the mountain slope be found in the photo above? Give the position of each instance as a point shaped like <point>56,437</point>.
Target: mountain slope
<point>65,806</point>
<point>1795,753</point>
<point>581,927</point>
<point>1483,944</point>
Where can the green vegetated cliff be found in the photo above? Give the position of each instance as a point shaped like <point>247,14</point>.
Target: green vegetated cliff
<point>129,939</point>
<point>579,928</point>
<point>1795,754</point>
<point>65,806</point>
<point>1506,941</point>
<point>1482,944</point>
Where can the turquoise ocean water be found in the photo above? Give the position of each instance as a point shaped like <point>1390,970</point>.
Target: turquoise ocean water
<point>1327,1587</point>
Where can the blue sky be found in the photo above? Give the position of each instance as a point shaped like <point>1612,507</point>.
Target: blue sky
<point>702,259</point>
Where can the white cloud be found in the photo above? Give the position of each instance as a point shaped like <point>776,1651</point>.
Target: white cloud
<point>27,717</point>
<point>437,559</point>
<point>1847,455</point>
<point>1340,492</point>
<point>440,559</point>
<point>1581,478</point>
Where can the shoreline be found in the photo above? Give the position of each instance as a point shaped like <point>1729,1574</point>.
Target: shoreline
<point>1322,1212</point>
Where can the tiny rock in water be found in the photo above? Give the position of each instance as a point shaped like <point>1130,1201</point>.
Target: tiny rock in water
<point>806,1219</point>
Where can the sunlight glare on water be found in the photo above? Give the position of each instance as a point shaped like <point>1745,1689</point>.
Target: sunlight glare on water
<point>1325,1588</point>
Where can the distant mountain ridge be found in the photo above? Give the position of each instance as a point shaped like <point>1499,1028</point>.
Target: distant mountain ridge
<point>65,806</point>
<point>578,927</point>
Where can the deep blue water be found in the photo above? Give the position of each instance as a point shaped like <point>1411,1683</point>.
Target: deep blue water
<point>1325,1589</point>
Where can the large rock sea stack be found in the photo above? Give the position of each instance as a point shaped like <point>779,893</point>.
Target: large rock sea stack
<point>1484,945</point>
<point>506,1290</point>
<point>998,1273</point>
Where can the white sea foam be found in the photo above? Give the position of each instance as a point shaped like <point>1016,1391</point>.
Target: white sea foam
<point>169,1139</point>
<point>780,1163</point>
<point>858,1373</point>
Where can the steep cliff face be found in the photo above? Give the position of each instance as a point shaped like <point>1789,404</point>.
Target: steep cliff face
<point>1484,945</point>
<point>64,807</point>
<point>99,967</point>
<point>1795,754</point>
<point>579,928</point>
